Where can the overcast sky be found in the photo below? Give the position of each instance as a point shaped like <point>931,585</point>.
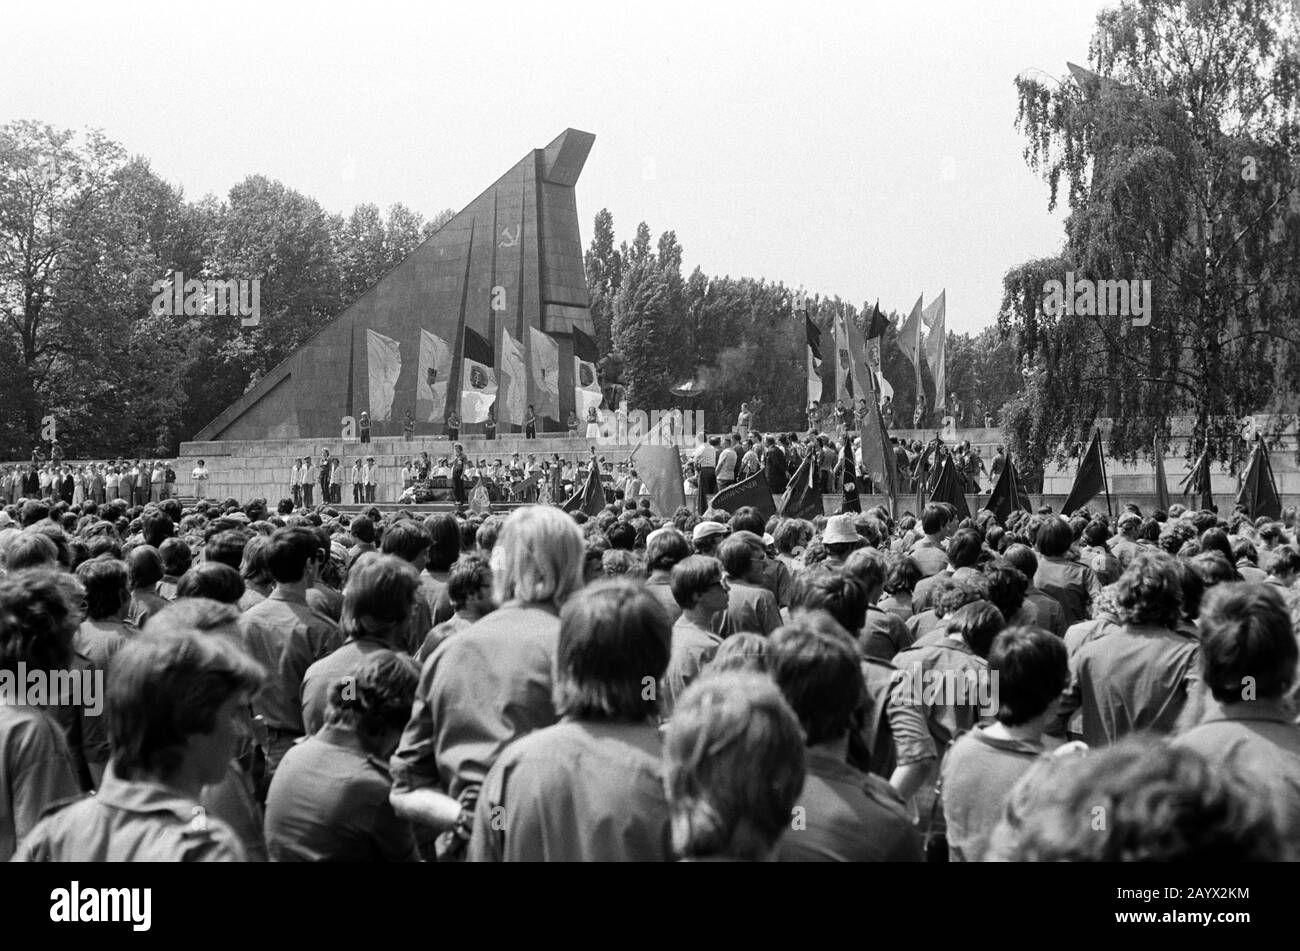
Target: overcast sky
<point>864,149</point>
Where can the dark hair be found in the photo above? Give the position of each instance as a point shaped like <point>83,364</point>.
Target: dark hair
<point>226,547</point>
<point>406,539</point>
<point>869,566</point>
<point>37,621</point>
<point>105,581</point>
<point>934,517</point>
<point>470,575</point>
<point>1149,591</point>
<point>213,580</point>
<point>1247,642</point>
<point>978,622</point>
<point>376,697</point>
<point>1216,539</point>
<point>835,592</point>
<point>964,548</point>
<point>362,529</point>
<point>1213,568</point>
<point>818,668</point>
<point>693,576</point>
<point>288,552</point>
<point>666,549</point>
<point>747,519</point>
<point>444,535</point>
<point>144,566</point>
<point>156,526</point>
<point>31,549</point>
<point>736,556</point>
<point>1054,538</point>
<point>950,594</point>
<point>1007,586</point>
<point>168,684</point>
<point>1022,558</point>
<point>1032,666</point>
<point>176,557</point>
<point>378,600</point>
<point>1282,561</point>
<point>904,573</point>
<point>614,635</point>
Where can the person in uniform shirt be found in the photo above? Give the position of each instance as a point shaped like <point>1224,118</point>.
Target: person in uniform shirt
<point>358,482</point>
<point>336,480</point>
<point>750,605</point>
<point>363,426</point>
<point>176,705</point>
<point>295,482</point>
<point>705,458</point>
<point>286,636</point>
<point>329,800</point>
<point>453,425</point>
<point>370,473</point>
<point>199,476</point>
<point>308,478</point>
<point>145,569</point>
<point>728,463</point>
<point>588,788</point>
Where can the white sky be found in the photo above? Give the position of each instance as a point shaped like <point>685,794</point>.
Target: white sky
<point>852,148</point>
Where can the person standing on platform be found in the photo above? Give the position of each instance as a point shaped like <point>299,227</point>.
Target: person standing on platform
<point>572,423</point>
<point>295,483</point>
<point>705,458</point>
<point>336,480</point>
<point>363,424</point>
<point>200,479</point>
<point>530,423</point>
<point>95,484</point>
<point>358,483</point>
<point>408,427</point>
<point>157,482</point>
<point>727,465</point>
<point>490,424</point>
<point>371,473</point>
<point>323,477</point>
<point>744,421</point>
<point>453,425</point>
<point>111,481</point>
<point>458,474</point>
<point>775,467</point>
<point>308,476</point>
<point>593,423</point>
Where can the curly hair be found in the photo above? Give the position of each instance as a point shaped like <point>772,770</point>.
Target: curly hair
<point>1149,591</point>
<point>37,620</point>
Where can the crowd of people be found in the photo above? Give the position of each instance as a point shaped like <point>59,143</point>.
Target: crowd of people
<point>299,684</point>
<point>138,483</point>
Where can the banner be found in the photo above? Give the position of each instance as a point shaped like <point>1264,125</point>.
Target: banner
<point>384,363</point>
<point>660,468</point>
<point>431,383</point>
<point>1162,482</point>
<point>1258,495</point>
<point>545,359</point>
<point>1008,493</point>
<point>752,491</point>
<point>586,387</point>
<point>478,388</point>
<point>803,496</point>
<point>909,341</point>
<point>513,404</point>
<point>864,382</point>
<point>936,345</point>
<point>844,377</point>
<point>815,386</point>
<point>590,496</point>
<point>1090,479</point>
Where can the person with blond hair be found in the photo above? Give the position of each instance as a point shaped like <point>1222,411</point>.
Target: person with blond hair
<point>491,683</point>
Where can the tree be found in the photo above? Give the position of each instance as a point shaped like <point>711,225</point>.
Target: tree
<point>604,267</point>
<point>1178,164</point>
<point>647,332</point>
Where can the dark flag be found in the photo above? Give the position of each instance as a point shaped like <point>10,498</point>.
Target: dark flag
<point>851,502</point>
<point>803,496</point>
<point>948,487</point>
<point>1090,479</point>
<point>1197,481</point>
<point>1008,494</point>
<point>590,498</point>
<point>878,457</point>
<point>816,386</point>
<point>876,323</point>
<point>1258,493</point>
<point>752,491</point>
<point>1162,482</point>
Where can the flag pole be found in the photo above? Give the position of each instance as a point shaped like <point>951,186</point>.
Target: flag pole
<point>1105,479</point>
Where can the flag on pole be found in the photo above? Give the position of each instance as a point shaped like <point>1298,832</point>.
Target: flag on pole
<point>545,358</point>
<point>384,362</point>
<point>1258,493</point>
<point>936,342</point>
<point>948,487</point>
<point>431,381</point>
<point>1197,481</point>
<point>1008,493</point>
<point>876,323</point>
<point>1162,483</point>
<point>876,326</point>
<point>513,404</point>
<point>660,468</point>
<point>849,472</point>
<point>1090,479</point>
<point>843,360</point>
<point>586,387</point>
<point>803,496</point>
<point>864,382</point>
<point>909,341</point>
<point>815,386</point>
<point>590,496</point>
<point>878,457</point>
<point>752,491</point>
<point>478,388</point>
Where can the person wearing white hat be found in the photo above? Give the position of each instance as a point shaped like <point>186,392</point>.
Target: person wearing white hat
<point>706,536</point>
<point>841,538</point>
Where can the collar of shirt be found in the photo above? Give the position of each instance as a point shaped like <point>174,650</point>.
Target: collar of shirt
<point>1268,711</point>
<point>829,766</point>
<point>1024,747</point>
<point>281,594</point>
<point>145,797</point>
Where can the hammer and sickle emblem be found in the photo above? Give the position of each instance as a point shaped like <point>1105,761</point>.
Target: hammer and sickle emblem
<point>508,239</point>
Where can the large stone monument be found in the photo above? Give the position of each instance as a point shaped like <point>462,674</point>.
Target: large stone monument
<point>488,315</point>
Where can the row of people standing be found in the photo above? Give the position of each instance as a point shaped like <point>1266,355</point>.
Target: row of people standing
<point>327,476</point>
<point>98,482</point>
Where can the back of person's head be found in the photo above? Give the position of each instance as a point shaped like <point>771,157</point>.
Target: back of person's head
<point>176,557</point>
<point>33,511</point>
<point>105,581</point>
<point>665,548</point>
<point>734,765</point>
<point>362,529</point>
<point>903,575</point>
<point>870,567</point>
<point>933,518</point>
<point>737,556</point>
<point>254,568</point>
<point>835,592</point>
<point>978,623</point>
<point>470,578</point>
<point>156,527</point>
<point>539,557</point>
<point>1149,591</point>
<point>1216,539</point>
<point>169,684</point>
<point>406,539</point>
<point>204,615</point>
<point>289,551</point>
<point>31,549</point>
<point>1161,803</point>
<point>1054,538</point>
<point>378,600</point>
<point>104,545</point>
<point>1007,586</point>
<point>621,536</point>
<point>144,566</point>
<point>213,580</point>
<point>38,620</point>
<point>375,698</point>
<point>615,639</point>
<point>1032,668</point>
<point>1248,647</point>
<point>621,563</point>
<point>1023,559</point>
<point>1282,562</point>
<point>1096,533</point>
<point>746,651</point>
<point>485,538</point>
<point>692,577</point>
<point>226,547</point>
<point>444,536</point>
<point>964,548</point>
<point>1243,549</point>
<point>951,594</point>
<point>816,664</point>
<point>747,519</point>
<point>1214,568</point>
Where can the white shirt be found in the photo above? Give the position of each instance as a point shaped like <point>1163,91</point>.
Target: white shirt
<point>705,456</point>
<point>200,472</point>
